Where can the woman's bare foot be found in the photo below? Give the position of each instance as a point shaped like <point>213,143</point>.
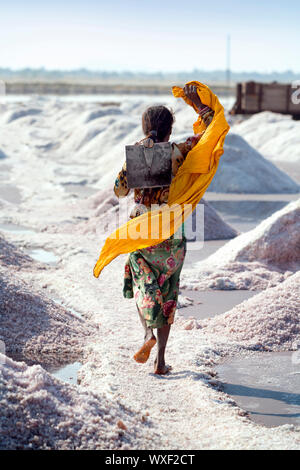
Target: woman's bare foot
<point>143,354</point>
<point>162,369</point>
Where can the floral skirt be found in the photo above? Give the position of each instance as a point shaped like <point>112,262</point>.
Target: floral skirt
<point>152,278</point>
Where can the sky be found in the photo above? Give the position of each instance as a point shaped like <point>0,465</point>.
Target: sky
<point>150,36</point>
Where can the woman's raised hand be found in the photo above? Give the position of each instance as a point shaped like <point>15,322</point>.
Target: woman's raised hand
<point>190,92</point>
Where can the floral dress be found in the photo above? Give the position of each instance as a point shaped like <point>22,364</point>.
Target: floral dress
<point>152,274</point>
<point>152,277</point>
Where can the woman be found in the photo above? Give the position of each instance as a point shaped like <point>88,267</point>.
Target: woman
<point>152,274</point>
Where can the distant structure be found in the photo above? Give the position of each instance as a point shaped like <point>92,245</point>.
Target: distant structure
<point>253,97</point>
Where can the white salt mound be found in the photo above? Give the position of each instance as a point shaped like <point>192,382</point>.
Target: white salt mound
<point>21,113</point>
<point>91,138</point>
<point>269,320</point>
<point>32,324</point>
<point>242,169</point>
<point>215,228</point>
<point>40,412</point>
<point>256,259</point>
<point>276,136</point>
<point>11,256</point>
<point>276,240</point>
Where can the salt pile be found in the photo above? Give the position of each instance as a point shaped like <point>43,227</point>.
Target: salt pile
<point>11,256</point>
<point>268,321</point>
<point>215,228</point>
<point>31,324</point>
<point>256,259</point>
<point>34,325</point>
<point>275,240</point>
<point>22,113</point>
<point>276,136</point>
<point>92,138</point>
<point>242,169</point>
<point>40,412</point>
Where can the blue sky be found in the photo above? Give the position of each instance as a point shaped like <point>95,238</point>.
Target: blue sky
<point>150,35</point>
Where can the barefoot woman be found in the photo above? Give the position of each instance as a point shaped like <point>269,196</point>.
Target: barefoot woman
<point>152,274</point>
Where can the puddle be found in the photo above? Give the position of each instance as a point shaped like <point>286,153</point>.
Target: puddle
<point>67,373</point>
<point>10,193</point>
<point>267,385</point>
<point>63,366</point>
<point>13,228</point>
<point>43,256</point>
<point>208,304</point>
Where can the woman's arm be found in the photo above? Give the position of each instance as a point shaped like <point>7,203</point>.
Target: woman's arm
<point>206,115</point>
<point>121,188</point>
<point>205,112</point>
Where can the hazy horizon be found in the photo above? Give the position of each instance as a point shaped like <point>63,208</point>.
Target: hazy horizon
<point>159,79</point>
<point>144,72</point>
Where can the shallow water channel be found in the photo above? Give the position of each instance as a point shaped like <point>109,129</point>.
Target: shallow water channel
<point>208,304</point>
<point>267,385</point>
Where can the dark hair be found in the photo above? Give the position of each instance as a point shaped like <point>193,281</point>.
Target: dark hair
<point>157,122</point>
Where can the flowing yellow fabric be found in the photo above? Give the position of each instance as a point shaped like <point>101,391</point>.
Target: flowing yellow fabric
<point>186,190</point>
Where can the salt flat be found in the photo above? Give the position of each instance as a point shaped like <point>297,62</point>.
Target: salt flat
<point>48,145</point>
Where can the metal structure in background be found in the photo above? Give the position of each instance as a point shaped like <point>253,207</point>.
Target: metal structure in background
<point>253,97</point>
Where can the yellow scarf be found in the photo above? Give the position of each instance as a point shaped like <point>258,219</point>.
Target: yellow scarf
<point>187,187</point>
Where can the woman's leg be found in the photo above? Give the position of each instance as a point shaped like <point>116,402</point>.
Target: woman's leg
<point>148,331</point>
<point>143,353</point>
<point>162,339</point>
<point>170,296</point>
